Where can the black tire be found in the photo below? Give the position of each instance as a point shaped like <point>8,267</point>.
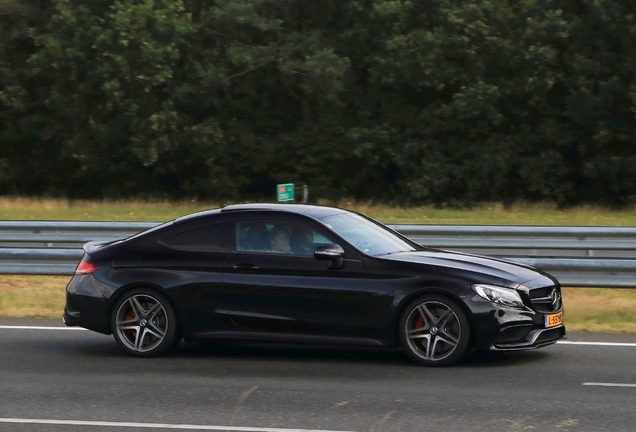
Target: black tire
<point>434,331</point>
<point>144,324</point>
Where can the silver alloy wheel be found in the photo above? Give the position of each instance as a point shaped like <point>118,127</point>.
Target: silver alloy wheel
<point>141,323</point>
<point>433,331</point>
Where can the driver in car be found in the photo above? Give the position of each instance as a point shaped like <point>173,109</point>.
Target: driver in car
<point>303,241</point>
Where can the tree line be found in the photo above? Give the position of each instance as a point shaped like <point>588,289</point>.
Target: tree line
<point>446,102</point>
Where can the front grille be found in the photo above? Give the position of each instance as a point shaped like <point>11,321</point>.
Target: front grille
<point>513,334</point>
<point>546,300</point>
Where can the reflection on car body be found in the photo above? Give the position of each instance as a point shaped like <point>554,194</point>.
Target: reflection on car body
<point>338,278</point>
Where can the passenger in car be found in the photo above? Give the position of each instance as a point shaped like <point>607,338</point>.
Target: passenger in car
<point>279,238</point>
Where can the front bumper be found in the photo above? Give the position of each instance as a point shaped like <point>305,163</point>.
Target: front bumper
<point>499,328</point>
<point>536,338</point>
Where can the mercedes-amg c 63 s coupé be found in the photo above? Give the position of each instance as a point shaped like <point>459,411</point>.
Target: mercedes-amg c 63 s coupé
<point>307,274</point>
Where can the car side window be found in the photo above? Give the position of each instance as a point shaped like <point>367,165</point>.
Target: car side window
<point>210,238</point>
<point>278,237</point>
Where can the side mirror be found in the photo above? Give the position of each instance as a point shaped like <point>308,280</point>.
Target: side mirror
<point>334,253</point>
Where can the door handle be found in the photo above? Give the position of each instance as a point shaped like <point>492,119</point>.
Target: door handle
<point>245,267</point>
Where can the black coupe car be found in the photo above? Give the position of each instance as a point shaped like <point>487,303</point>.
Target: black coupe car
<point>307,274</point>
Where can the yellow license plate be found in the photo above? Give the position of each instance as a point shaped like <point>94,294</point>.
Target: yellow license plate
<point>553,319</point>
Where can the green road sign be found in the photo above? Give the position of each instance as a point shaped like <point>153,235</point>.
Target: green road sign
<point>285,192</point>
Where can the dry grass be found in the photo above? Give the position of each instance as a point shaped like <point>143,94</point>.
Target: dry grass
<point>587,309</point>
<point>60,209</point>
<point>497,214</point>
<point>32,296</point>
<point>159,211</point>
<point>600,310</point>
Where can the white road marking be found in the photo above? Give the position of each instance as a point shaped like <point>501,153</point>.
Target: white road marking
<point>39,328</point>
<point>154,425</point>
<point>608,384</point>
<point>621,344</point>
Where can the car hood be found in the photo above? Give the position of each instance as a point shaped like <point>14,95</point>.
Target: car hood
<point>504,270</point>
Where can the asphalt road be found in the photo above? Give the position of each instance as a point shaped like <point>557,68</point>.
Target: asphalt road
<point>49,377</point>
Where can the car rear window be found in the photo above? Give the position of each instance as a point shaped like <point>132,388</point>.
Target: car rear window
<point>210,238</point>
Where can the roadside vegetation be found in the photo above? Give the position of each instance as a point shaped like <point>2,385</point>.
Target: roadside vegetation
<point>32,296</point>
<point>444,102</point>
<point>600,310</point>
<point>161,211</point>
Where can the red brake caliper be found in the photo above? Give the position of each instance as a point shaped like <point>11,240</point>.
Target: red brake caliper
<point>419,322</point>
<point>130,316</point>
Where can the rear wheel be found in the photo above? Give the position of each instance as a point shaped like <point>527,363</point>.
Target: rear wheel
<point>434,331</point>
<point>144,323</point>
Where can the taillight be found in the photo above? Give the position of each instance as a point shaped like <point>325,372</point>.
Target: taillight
<point>85,267</point>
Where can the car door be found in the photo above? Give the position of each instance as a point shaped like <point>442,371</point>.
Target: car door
<point>293,292</point>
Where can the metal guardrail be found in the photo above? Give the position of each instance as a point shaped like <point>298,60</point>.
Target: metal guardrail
<point>577,256</point>
<point>602,242</point>
<point>55,248</point>
<point>62,234</point>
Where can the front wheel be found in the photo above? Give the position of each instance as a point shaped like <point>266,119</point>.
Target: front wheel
<point>434,331</point>
<point>144,323</point>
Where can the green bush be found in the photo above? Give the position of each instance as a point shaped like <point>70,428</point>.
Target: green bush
<point>447,102</point>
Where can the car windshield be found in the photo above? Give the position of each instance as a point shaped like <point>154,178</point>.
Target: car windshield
<point>366,235</point>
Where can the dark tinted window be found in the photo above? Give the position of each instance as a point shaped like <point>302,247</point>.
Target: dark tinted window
<point>265,235</point>
<point>210,238</point>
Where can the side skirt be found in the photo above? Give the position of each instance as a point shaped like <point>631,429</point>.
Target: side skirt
<point>292,337</point>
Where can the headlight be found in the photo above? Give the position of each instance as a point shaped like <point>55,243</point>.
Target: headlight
<point>499,295</point>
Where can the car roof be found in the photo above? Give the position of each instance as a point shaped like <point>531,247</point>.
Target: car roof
<point>288,208</point>
<point>313,211</point>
